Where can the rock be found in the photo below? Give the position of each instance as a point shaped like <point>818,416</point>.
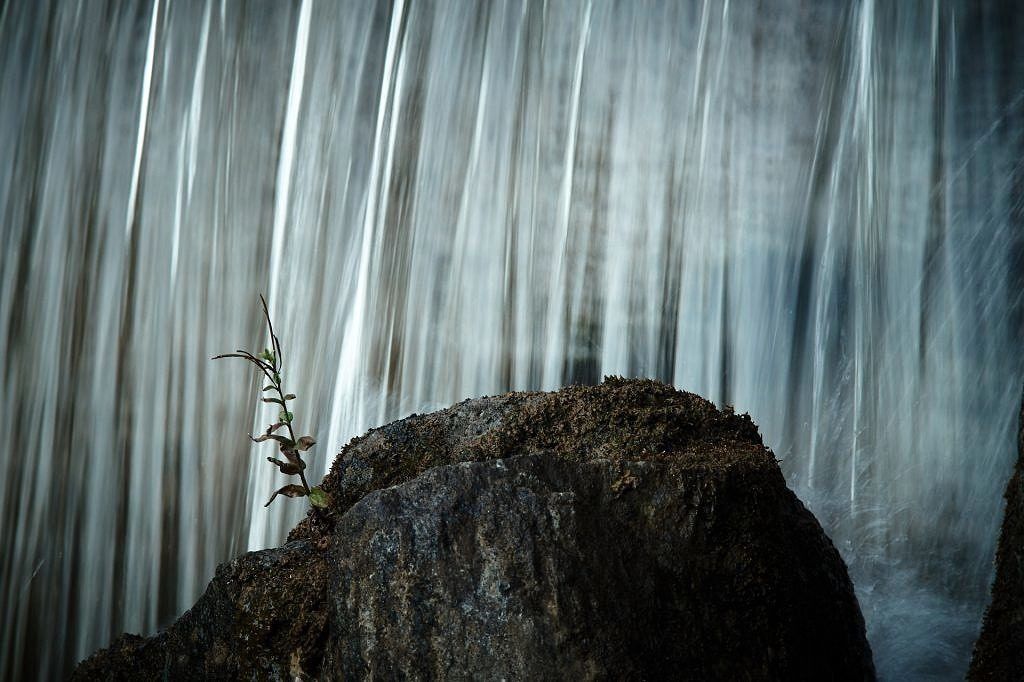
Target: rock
<point>262,617</point>
<point>535,567</point>
<point>626,530</point>
<point>999,651</point>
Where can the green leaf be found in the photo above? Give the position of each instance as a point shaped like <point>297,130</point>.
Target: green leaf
<point>290,396</point>
<point>319,497</point>
<point>268,355</point>
<point>273,400</point>
<point>269,388</point>
<point>285,416</point>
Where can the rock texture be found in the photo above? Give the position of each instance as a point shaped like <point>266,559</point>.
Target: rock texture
<point>262,617</point>
<point>999,651</point>
<point>623,531</point>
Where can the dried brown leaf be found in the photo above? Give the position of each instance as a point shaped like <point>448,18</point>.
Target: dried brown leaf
<point>285,442</point>
<point>288,468</point>
<point>291,490</point>
<point>291,453</point>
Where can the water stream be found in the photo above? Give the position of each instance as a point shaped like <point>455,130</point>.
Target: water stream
<point>813,211</point>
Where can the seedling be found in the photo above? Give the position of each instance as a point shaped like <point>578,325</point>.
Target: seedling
<point>269,364</point>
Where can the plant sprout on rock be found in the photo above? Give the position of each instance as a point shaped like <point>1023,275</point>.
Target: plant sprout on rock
<point>269,363</point>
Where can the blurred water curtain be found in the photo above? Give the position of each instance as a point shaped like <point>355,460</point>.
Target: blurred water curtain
<point>810,210</point>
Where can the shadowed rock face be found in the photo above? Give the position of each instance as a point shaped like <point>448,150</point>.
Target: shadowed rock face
<point>999,651</point>
<point>262,617</point>
<point>626,530</point>
<point>534,567</point>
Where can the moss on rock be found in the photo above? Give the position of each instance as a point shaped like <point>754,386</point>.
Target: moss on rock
<point>620,419</point>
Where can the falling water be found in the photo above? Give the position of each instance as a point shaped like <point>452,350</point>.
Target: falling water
<point>813,211</point>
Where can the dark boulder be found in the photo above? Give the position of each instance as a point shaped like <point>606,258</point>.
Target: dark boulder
<point>535,567</point>
<point>999,651</point>
<point>262,617</point>
<point>626,530</point>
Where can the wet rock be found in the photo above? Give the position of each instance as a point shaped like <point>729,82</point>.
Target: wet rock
<point>999,651</point>
<point>626,530</point>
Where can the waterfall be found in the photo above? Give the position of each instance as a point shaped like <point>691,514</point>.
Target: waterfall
<point>811,211</point>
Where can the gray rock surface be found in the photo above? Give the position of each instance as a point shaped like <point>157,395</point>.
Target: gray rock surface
<point>537,568</point>
<point>625,531</point>
<point>262,617</point>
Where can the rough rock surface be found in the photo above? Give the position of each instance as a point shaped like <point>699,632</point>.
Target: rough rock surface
<point>999,651</point>
<point>261,618</point>
<point>626,530</point>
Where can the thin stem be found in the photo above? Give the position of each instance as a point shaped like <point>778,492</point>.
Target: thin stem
<point>304,484</point>
<point>291,432</point>
<point>287,414</point>
<point>278,355</point>
<point>272,370</point>
<point>246,355</point>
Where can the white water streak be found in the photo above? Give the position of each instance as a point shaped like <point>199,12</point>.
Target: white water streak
<point>147,80</point>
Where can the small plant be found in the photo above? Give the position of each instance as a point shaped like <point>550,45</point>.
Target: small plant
<point>269,363</point>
